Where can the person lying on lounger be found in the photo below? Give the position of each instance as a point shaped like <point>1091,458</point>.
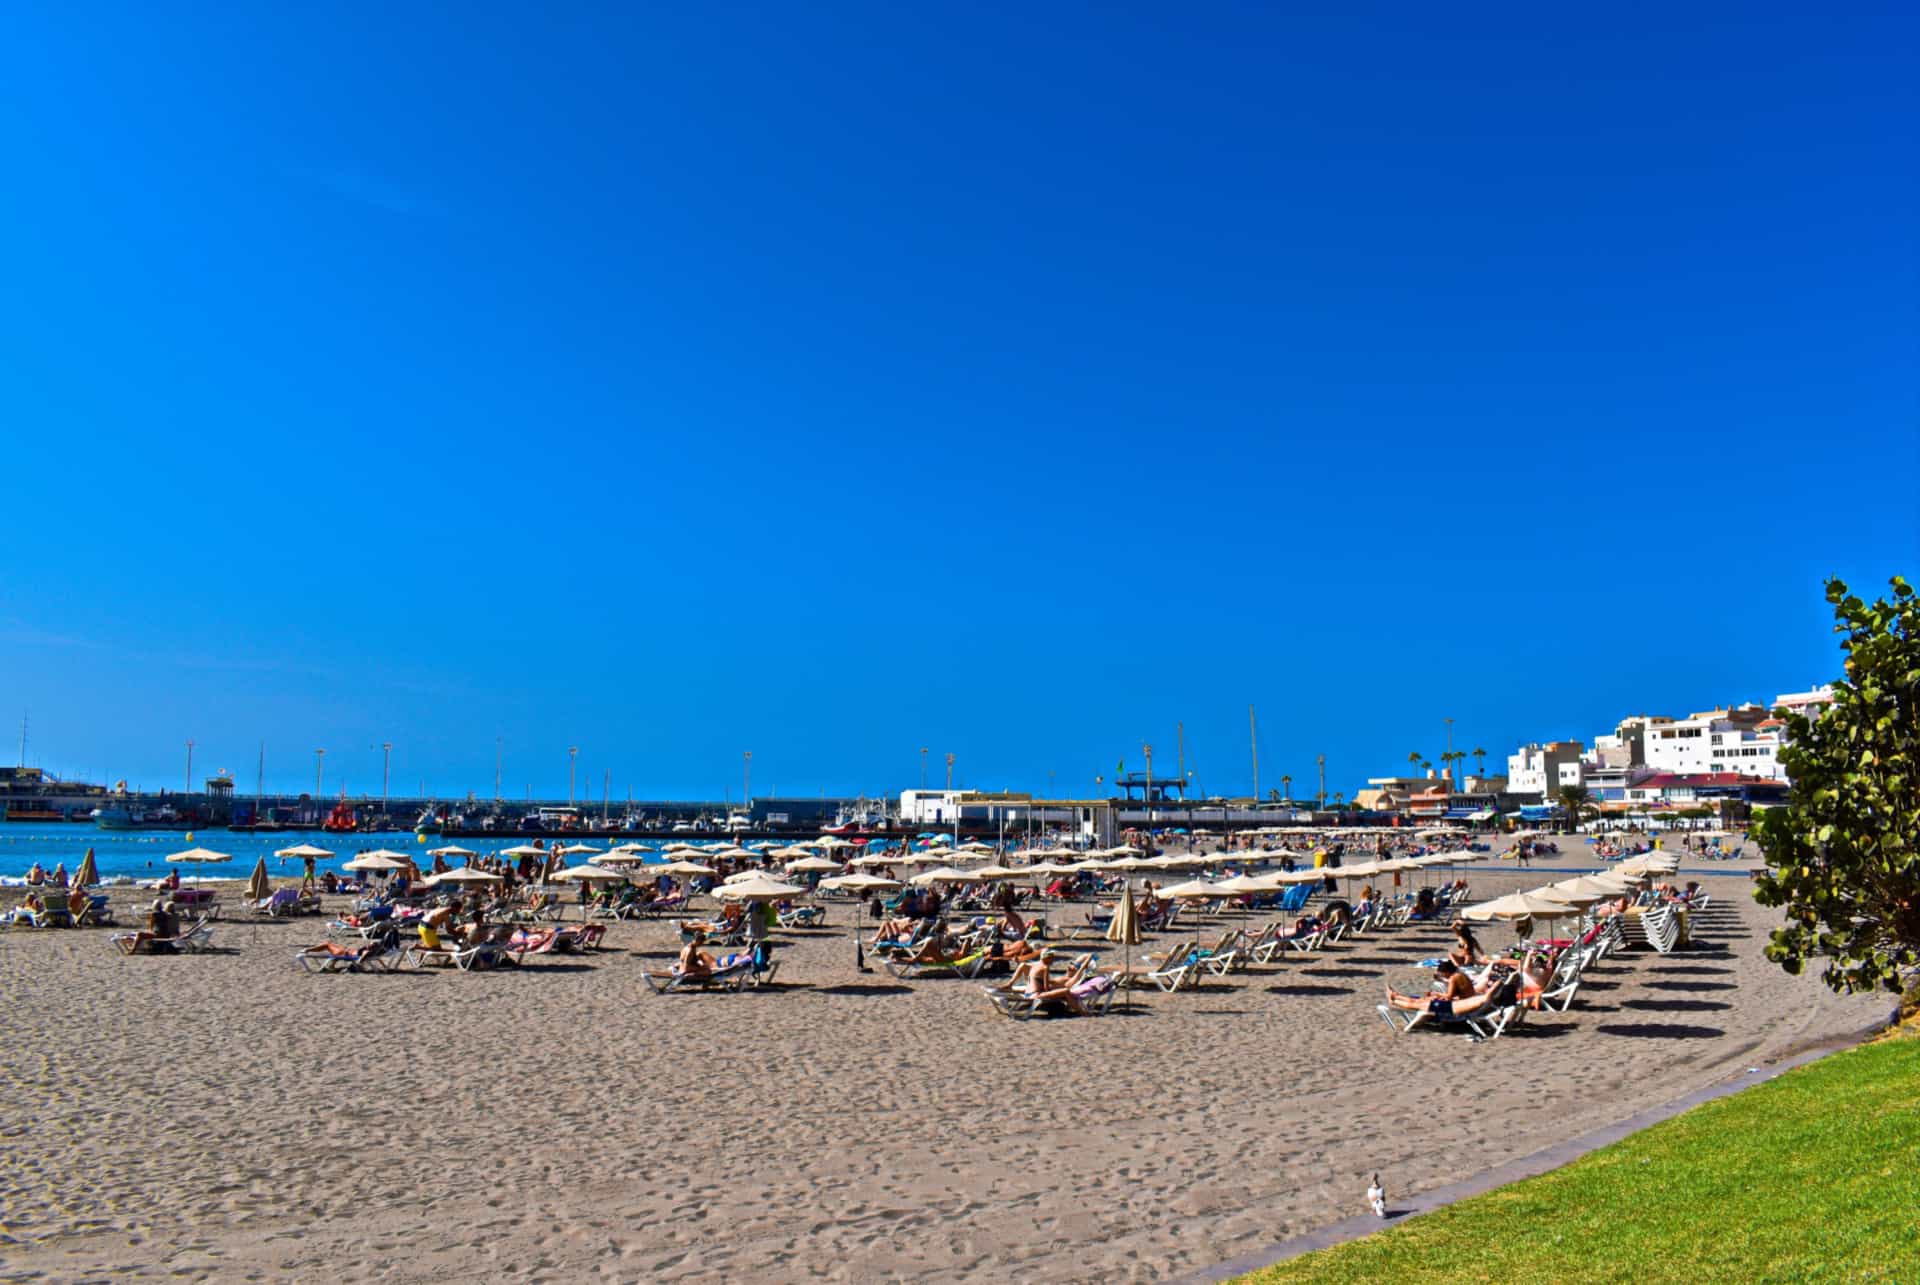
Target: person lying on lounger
<point>1457,997</point>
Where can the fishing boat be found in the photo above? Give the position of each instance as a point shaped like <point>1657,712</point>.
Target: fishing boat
<point>428,823</point>
<point>342,820</point>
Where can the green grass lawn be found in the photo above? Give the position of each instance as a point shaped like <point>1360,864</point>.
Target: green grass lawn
<point>1814,1176</point>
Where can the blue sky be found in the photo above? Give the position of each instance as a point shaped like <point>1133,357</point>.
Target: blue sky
<point>832,381</point>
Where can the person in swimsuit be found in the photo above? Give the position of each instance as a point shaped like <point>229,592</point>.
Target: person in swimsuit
<point>1456,998</point>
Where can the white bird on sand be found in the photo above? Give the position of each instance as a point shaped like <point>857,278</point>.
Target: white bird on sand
<point>1377,1197</point>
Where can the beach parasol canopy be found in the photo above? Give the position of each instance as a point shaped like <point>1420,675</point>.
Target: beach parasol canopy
<point>452,850</point>
<point>811,864</point>
<point>684,867</point>
<point>574,849</point>
<point>1519,905</point>
<point>622,857</point>
<point>258,886</point>
<point>860,883</point>
<point>588,873</point>
<point>1241,885</point>
<point>89,874</point>
<point>759,888</point>
<point>467,874</point>
<point>523,850</point>
<point>831,842</point>
<point>303,850</point>
<point>1192,890</point>
<point>991,873</point>
<point>377,861</point>
<point>945,874</point>
<point>199,854</point>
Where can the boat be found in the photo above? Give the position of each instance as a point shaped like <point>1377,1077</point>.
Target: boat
<point>342,820</point>
<point>28,812</point>
<point>428,823</point>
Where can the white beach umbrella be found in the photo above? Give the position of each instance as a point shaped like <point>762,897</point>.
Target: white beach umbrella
<point>377,861</point>
<point>199,854</point>
<point>589,873</point>
<point>759,888</point>
<point>684,867</point>
<point>860,883</point>
<point>574,849</point>
<point>945,874</point>
<point>452,850</point>
<point>832,842</point>
<point>303,850</point>
<point>1518,905</point>
<point>524,850</point>
<point>1192,890</point>
<point>466,874</point>
<point>812,865</point>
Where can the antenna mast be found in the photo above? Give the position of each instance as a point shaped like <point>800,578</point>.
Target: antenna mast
<point>1253,731</point>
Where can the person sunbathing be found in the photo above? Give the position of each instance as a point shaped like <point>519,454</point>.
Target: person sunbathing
<point>1466,950</point>
<point>693,963</point>
<point>1077,992</point>
<point>1032,977</point>
<point>939,948</point>
<point>37,875</point>
<point>1456,998</point>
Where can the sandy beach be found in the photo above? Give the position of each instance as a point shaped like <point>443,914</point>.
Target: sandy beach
<point>230,1116</point>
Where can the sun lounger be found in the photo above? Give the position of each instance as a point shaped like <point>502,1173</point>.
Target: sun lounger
<point>733,972</point>
<point>1091,996</point>
<point>193,939</point>
<point>1502,1009</point>
<point>375,955</point>
<point>969,964</point>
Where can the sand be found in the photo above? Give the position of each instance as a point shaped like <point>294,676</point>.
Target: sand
<point>231,1116</point>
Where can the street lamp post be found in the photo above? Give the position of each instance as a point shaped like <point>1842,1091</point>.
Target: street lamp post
<point>386,773</point>
<point>319,765</point>
<point>949,771</point>
<point>573,757</point>
<point>746,785</point>
<point>923,767</point>
<point>189,767</point>
<point>1148,751</point>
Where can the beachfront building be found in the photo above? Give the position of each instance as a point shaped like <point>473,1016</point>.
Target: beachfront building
<point>1539,771</point>
<point>1809,703</point>
<point>1744,740</point>
<point>1725,791</point>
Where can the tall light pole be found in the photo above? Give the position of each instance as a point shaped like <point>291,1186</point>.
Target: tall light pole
<point>1451,784</point>
<point>923,768</point>
<point>499,747</point>
<point>746,784</point>
<point>950,775</point>
<point>386,772</point>
<point>573,756</point>
<point>1148,751</point>
<point>1320,801</point>
<point>319,767</point>
<point>1253,730</point>
<point>189,767</point>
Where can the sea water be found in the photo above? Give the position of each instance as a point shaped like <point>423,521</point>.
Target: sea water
<point>143,854</point>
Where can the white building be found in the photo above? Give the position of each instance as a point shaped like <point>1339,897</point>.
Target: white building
<point>1809,703</point>
<point>1743,740</point>
<point>1538,771</point>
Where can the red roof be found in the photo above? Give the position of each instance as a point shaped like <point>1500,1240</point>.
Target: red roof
<point>1666,780</point>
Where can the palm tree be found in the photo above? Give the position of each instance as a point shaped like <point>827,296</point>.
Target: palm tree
<point>1339,799</point>
<point>1577,800</point>
<point>1287,783</point>
<point>1447,759</point>
<point>1480,763</point>
<point>1413,760</point>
